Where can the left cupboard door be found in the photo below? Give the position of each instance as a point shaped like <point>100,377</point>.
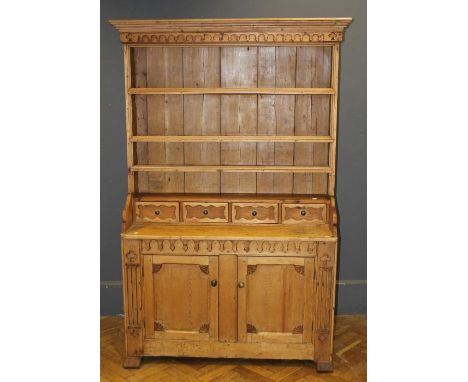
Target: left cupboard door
<point>181,297</point>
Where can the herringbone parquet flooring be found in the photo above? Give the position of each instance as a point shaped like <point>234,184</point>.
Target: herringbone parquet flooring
<point>349,361</point>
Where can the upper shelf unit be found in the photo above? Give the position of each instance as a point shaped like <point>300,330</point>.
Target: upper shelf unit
<point>245,106</point>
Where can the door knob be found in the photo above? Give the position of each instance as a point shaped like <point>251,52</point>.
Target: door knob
<point>241,284</point>
<point>214,283</point>
<point>205,212</point>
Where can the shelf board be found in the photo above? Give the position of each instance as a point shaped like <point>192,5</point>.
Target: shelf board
<point>231,91</point>
<point>170,168</point>
<point>232,138</point>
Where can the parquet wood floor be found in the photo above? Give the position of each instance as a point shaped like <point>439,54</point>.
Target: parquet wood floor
<point>349,361</point>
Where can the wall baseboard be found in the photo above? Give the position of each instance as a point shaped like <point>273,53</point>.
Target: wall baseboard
<point>351,297</point>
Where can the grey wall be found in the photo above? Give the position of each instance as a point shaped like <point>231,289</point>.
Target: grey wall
<point>351,160</point>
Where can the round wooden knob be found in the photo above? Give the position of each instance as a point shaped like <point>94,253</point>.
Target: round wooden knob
<point>303,213</point>
<point>241,284</point>
<point>157,212</point>
<point>214,283</point>
<point>205,212</point>
<point>254,213</point>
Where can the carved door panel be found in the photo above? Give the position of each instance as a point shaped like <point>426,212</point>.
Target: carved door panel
<point>181,297</point>
<point>275,299</point>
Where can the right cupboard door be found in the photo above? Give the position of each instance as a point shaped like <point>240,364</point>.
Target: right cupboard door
<point>275,297</point>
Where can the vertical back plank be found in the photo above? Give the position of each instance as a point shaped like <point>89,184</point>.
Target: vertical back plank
<point>303,152</point>
<point>266,116</point>
<point>311,117</point>
<point>321,114</point>
<point>140,116</point>
<point>202,117</point>
<point>238,116</point>
<point>165,116</point>
<point>284,108</point>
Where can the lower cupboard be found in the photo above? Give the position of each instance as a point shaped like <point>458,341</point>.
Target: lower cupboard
<point>276,305</point>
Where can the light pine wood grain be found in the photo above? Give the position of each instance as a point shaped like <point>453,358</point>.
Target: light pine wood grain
<point>239,116</point>
<point>230,230</point>
<point>165,116</point>
<point>202,116</point>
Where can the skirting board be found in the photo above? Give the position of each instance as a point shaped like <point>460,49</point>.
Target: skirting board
<point>351,297</point>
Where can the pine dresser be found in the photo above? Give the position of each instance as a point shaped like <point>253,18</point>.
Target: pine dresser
<point>229,230</point>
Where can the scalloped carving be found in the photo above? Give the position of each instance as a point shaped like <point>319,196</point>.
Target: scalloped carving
<point>205,328</point>
<point>205,269</point>
<point>299,269</point>
<point>251,328</point>
<point>157,268</point>
<point>158,326</point>
<point>298,330</point>
<point>251,269</point>
<point>229,38</point>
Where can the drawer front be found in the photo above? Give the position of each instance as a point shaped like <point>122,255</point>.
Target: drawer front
<point>304,213</point>
<point>205,212</point>
<point>158,212</point>
<point>254,213</point>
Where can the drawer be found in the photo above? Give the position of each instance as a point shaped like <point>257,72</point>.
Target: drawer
<point>300,213</point>
<point>158,212</point>
<point>205,212</point>
<point>254,213</point>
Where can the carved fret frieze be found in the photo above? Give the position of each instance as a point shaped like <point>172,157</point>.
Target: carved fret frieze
<point>239,247</point>
<point>219,38</point>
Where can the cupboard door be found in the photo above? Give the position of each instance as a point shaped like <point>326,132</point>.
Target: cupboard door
<point>181,297</point>
<point>275,299</point>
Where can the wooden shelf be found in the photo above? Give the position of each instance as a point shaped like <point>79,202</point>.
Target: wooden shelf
<point>212,230</point>
<point>169,168</point>
<point>231,91</point>
<point>232,138</point>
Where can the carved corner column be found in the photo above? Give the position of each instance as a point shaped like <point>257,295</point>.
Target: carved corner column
<point>325,281</point>
<point>133,301</point>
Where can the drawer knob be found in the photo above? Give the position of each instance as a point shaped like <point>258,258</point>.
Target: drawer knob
<point>254,213</point>
<point>205,212</point>
<point>157,212</point>
<point>214,282</point>
<point>241,284</point>
<point>303,212</point>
